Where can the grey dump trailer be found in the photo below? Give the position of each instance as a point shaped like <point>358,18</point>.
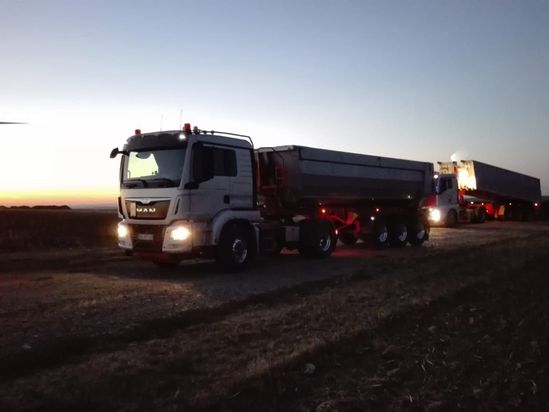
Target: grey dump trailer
<point>363,196</point>
<point>490,191</point>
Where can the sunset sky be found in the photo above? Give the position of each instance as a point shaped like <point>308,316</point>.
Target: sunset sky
<point>418,79</point>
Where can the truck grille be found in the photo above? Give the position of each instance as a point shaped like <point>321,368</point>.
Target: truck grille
<point>152,210</point>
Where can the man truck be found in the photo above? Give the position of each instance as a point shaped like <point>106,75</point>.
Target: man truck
<point>194,193</point>
<point>471,191</point>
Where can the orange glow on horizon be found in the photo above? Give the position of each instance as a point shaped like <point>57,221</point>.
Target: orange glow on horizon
<point>70,197</point>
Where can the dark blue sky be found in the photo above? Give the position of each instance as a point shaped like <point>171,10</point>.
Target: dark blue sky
<point>413,79</point>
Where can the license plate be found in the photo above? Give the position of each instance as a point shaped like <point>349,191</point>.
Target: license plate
<point>145,236</point>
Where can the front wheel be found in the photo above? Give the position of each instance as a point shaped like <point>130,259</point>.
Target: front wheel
<point>235,249</point>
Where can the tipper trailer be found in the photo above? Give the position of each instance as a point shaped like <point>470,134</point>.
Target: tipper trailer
<point>472,191</point>
<point>194,193</point>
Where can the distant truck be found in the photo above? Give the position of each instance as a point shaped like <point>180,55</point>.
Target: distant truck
<point>194,193</point>
<point>471,191</point>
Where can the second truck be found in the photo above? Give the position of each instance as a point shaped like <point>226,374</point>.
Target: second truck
<point>471,191</point>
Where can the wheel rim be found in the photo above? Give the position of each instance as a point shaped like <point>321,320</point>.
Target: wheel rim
<point>383,235</point>
<point>325,242</point>
<point>239,250</point>
<point>420,234</point>
<point>402,236</point>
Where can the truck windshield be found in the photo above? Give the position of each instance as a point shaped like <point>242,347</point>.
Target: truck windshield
<point>153,168</point>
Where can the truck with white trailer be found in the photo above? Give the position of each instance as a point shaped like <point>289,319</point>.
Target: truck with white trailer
<point>471,191</point>
<point>194,193</point>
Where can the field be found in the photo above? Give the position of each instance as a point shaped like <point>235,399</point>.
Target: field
<point>457,324</point>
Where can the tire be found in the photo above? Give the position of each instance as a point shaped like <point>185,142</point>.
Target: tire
<point>451,219</point>
<point>235,251</point>
<point>381,234</point>
<point>348,237</point>
<point>317,239</point>
<point>398,233</point>
<point>418,232</point>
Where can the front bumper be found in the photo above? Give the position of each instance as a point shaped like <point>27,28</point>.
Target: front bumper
<point>156,238</point>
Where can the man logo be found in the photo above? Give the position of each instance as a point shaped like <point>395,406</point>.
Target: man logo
<point>146,209</point>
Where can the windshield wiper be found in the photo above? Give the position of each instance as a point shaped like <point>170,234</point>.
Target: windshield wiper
<point>133,183</point>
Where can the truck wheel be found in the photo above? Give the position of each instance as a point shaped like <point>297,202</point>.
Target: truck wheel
<point>348,237</point>
<point>451,219</point>
<point>381,234</point>
<point>317,239</point>
<point>235,249</point>
<point>418,232</point>
<point>398,233</point>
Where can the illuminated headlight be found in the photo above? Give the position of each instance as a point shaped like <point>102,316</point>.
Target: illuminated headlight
<point>179,233</point>
<point>123,231</point>
<point>434,215</point>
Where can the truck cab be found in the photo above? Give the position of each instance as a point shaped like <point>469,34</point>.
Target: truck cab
<point>187,193</point>
<point>452,203</point>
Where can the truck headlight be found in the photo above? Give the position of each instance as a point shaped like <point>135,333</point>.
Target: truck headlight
<point>179,233</point>
<point>434,215</point>
<point>123,230</point>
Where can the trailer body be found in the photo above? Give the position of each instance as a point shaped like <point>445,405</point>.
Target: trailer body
<point>295,177</point>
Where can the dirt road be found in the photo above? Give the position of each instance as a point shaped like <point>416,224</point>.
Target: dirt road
<point>405,329</point>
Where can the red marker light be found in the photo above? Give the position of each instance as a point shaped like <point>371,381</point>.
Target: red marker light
<point>137,132</point>
<point>323,211</point>
<point>377,209</point>
<point>187,128</point>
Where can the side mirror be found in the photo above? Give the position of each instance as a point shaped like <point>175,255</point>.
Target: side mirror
<point>191,185</point>
<point>114,153</point>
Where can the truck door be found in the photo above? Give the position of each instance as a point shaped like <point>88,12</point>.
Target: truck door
<point>447,192</point>
<point>242,185</point>
<point>211,168</point>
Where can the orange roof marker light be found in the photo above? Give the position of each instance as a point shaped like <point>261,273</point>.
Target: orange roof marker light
<point>138,132</point>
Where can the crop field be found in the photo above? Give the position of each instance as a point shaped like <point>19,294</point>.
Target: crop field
<point>459,323</point>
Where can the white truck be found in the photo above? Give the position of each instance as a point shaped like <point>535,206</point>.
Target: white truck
<point>471,191</point>
<point>194,193</point>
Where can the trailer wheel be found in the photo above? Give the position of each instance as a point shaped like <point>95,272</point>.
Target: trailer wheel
<point>235,249</point>
<point>381,234</point>
<point>451,218</point>
<point>398,233</point>
<point>317,239</point>
<point>418,232</point>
